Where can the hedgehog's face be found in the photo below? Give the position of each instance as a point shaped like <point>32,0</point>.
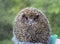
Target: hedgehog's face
<point>30,18</point>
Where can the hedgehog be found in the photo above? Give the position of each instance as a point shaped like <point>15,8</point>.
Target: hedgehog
<point>31,25</point>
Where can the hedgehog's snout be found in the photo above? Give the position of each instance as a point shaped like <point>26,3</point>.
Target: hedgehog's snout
<point>30,21</point>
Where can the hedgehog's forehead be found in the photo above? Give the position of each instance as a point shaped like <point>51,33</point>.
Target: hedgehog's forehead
<point>29,12</point>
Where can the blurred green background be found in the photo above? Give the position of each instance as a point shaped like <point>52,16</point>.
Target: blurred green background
<point>10,8</point>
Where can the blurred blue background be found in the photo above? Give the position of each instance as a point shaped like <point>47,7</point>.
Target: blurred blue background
<point>10,8</point>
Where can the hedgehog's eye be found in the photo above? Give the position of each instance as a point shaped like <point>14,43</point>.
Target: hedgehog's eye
<point>24,17</point>
<point>36,17</point>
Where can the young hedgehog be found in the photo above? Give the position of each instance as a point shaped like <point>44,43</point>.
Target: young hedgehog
<point>31,25</point>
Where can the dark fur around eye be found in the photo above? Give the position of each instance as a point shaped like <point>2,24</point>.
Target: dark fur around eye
<point>24,16</point>
<point>36,17</point>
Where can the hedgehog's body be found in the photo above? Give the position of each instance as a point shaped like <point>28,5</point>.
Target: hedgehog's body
<point>32,26</point>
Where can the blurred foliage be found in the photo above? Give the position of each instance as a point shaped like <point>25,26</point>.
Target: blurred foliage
<point>10,8</point>
<point>6,42</point>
